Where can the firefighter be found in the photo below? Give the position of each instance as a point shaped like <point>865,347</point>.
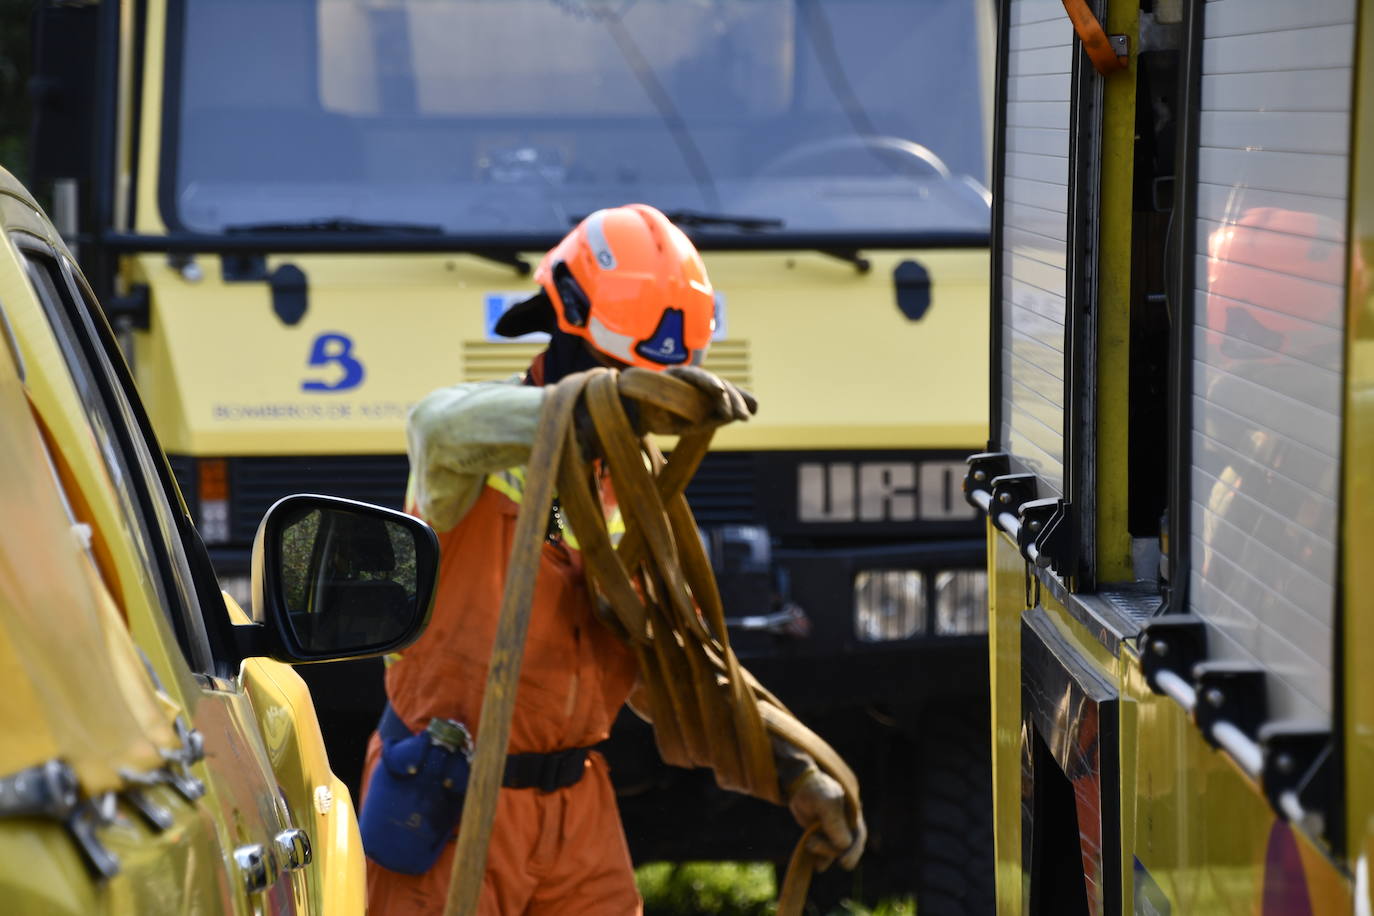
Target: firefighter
<point>624,288</point>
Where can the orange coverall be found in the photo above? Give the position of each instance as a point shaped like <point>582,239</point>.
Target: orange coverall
<point>562,852</point>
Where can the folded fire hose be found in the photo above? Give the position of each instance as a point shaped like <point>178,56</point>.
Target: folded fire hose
<point>655,589</point>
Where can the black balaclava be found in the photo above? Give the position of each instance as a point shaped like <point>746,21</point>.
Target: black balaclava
<point>566,354</point>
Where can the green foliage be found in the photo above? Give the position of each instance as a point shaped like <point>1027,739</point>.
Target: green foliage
<point>297,549</point>
<point>731,889</point>
<point>701,888</point>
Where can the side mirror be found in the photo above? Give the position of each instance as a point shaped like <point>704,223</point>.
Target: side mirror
<point>334,578</point>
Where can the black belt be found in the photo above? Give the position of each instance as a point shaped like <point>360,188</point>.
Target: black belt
<point>545,772</point>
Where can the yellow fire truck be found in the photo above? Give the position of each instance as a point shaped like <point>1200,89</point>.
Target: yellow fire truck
<point>303,215</point>
<point>1178,514</point>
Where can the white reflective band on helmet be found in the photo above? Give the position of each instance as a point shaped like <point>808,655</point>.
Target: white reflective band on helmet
<point>596,238</point>
<point>609,342</point>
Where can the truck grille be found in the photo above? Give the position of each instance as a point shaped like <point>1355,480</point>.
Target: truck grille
<point>730,360</point>
<point>256,483</point>
<point>486,362</point>
<point>722,492</point>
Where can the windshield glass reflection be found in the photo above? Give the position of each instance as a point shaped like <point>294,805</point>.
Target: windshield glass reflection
<point>519,116</point>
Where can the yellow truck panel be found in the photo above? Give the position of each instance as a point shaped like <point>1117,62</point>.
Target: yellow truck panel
<point>372,361</point>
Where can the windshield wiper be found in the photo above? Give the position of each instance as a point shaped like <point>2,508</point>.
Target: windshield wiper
<point>695,218</point>
<point>347,226</point>
<point>335,224</point>
<point>688,218</point>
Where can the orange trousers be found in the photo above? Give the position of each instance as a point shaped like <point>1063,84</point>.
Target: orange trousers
<point>560,853</point>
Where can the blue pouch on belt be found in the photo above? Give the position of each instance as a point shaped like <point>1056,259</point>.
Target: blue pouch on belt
<point>415,798</point>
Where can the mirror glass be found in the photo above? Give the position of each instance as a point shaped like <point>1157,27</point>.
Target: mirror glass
<point>347,578</point>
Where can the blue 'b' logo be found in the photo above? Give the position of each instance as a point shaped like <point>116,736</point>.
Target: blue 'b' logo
<point>337,350</point>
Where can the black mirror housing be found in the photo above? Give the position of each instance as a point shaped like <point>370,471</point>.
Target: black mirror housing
<point>335,578</point>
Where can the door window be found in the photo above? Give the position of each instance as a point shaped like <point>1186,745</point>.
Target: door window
<point>148,516</point>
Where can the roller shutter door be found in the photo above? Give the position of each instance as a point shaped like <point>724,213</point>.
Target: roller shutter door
<point>1270,254</point>
<point>1034,233</point>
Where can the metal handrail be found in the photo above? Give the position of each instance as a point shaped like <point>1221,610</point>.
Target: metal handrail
<point>1178,689</point>
<point>1244,751</point>
<point>1009,522</point>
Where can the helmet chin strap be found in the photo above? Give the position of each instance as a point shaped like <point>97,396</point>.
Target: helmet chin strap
<point>567,354</point>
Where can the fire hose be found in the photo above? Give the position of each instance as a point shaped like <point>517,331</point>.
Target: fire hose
<point>655,590</point>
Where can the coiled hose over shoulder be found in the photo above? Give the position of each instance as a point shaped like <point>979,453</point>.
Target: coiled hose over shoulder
<point>655,589</point>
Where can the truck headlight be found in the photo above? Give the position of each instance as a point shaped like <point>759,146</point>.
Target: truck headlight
<point>961,602</point>
<point>889,604</point>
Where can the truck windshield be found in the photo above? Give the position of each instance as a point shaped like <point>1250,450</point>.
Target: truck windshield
<point>520,116</point>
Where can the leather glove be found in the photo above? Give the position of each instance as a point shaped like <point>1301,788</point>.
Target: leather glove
<point>817,797</point>
<point>729,402</point>
<point>814,797</point>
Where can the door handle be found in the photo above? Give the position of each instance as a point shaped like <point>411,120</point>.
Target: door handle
<point>293,848</point>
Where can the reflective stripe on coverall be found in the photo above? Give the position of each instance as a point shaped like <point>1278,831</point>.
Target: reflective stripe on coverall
<point>562,852</point>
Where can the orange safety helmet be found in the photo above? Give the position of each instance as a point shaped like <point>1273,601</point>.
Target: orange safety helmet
<point>628,282</point>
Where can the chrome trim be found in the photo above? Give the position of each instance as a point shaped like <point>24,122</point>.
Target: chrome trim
<point>48,789</point>
<point>156,815</point>
<point>293,849</point>
<point>83,823</point>
<point>786,621</point>
<point>257,867</point>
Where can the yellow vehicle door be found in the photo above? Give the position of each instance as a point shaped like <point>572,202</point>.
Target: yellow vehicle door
<point>171,602</point>
<point>78,835</point>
